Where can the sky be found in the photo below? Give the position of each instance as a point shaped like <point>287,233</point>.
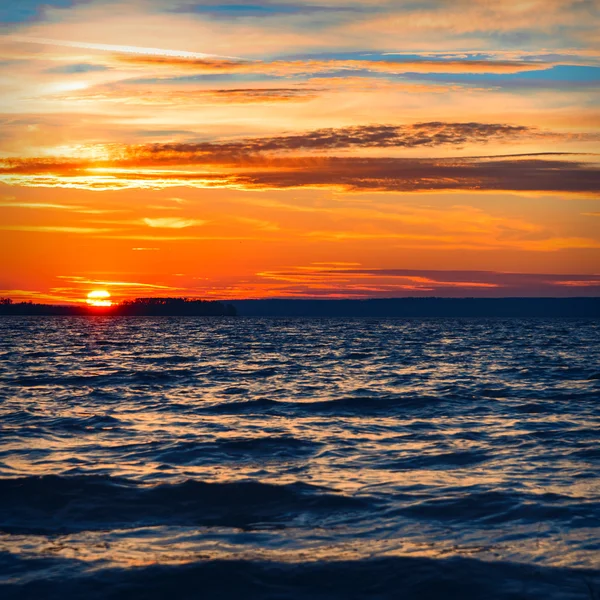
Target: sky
<point>290,149</point>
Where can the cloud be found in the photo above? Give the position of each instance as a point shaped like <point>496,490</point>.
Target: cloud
<point>520,173</point>
<point>317,280</point>
<point>307,160</point>
<point>41,205</point>
<point>313,66</point>
<point>81,280</point>
<point>172,222</point>
<point>432,134</point>
<point>198,62</point>
<point>123,49</point>
<point>412,175</point>
<point>53,229</point>
<point>250,150</point>
<point>417,135</point>
<point>389,136</point>
<point>159,97</point>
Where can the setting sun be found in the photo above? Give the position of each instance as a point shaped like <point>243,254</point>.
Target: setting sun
<point>99,298</point>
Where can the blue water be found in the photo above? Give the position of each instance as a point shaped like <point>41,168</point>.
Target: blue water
<point>272,458</point>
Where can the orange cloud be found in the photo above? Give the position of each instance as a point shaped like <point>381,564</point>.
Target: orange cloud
<point>314,66</point>
<point>518,173</point>
<point>172,222</point>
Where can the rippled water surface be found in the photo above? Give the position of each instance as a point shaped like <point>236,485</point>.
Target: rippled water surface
<point>257,458</point>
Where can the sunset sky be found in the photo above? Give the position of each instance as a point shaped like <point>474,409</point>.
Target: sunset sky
<point>324,148</point>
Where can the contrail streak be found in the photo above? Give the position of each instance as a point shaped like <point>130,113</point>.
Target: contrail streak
<point>119,48</point>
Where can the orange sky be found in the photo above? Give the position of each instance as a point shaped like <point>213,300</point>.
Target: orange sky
<point>295,149</point>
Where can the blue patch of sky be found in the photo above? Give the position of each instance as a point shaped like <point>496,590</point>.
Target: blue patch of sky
<point>398,57</point>
<point>341,73</point>
<point>359,55</point>
<point>562,77</point>
<point>77,68</point>
<point>18,11</point>
<point>561,74</point>
<point>227,11</point>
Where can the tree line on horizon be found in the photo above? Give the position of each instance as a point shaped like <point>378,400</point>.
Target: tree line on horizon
<point>136,307</point>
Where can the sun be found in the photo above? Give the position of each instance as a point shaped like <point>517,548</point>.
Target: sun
<point>99,298</point>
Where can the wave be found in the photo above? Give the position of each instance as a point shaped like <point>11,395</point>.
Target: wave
<point>346,405</point>
<point>121,376</point>
<point>357,355</point>
<point>238,449</point>
<point>54,504</point>
<point>495,507</point>
<point>45,424</point>
<point>442,460</point>
<point>261,405</point>
<point>176,359</point>
<point>409,578</point>
<point>79,424</point>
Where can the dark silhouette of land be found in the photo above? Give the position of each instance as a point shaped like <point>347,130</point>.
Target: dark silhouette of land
<point>387,307</point>
<point>140,307</point>
<point>422,307</point>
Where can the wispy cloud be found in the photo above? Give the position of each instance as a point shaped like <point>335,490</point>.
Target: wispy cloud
<point>418,135</point>
<point>83,280</point>
<point>118,48</point>
<point>318,66</point>
<point>41,205</point>
<point>54,229</point>
<point>131,95</point>
<point>341,281</point>
<point>172,222</point>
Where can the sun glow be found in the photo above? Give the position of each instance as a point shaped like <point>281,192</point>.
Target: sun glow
<point>99,298</point>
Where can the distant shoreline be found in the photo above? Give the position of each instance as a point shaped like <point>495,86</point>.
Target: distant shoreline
<point>141,307</point>
<point>348,308</point>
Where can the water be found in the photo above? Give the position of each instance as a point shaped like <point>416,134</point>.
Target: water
<point>258,458</point>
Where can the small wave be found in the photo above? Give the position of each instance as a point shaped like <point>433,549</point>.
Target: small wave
<point>494,507</point>
<point>169,360</point>
<point>533,408</point>
<point>123,377</point>
<point>464,458</point>
<point>496,393</point>
<point>38,423</point>
<point>260,405</point>
<point>254,449</point>
<point>367,404</point>
<point>61,504</point>
<point>355,405</point>
<point>587,454</point>
<point>75,424</point>
<point>260,373</point>
<point>235,391</point>
<point>264,445</point>
<point>356,355</point>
